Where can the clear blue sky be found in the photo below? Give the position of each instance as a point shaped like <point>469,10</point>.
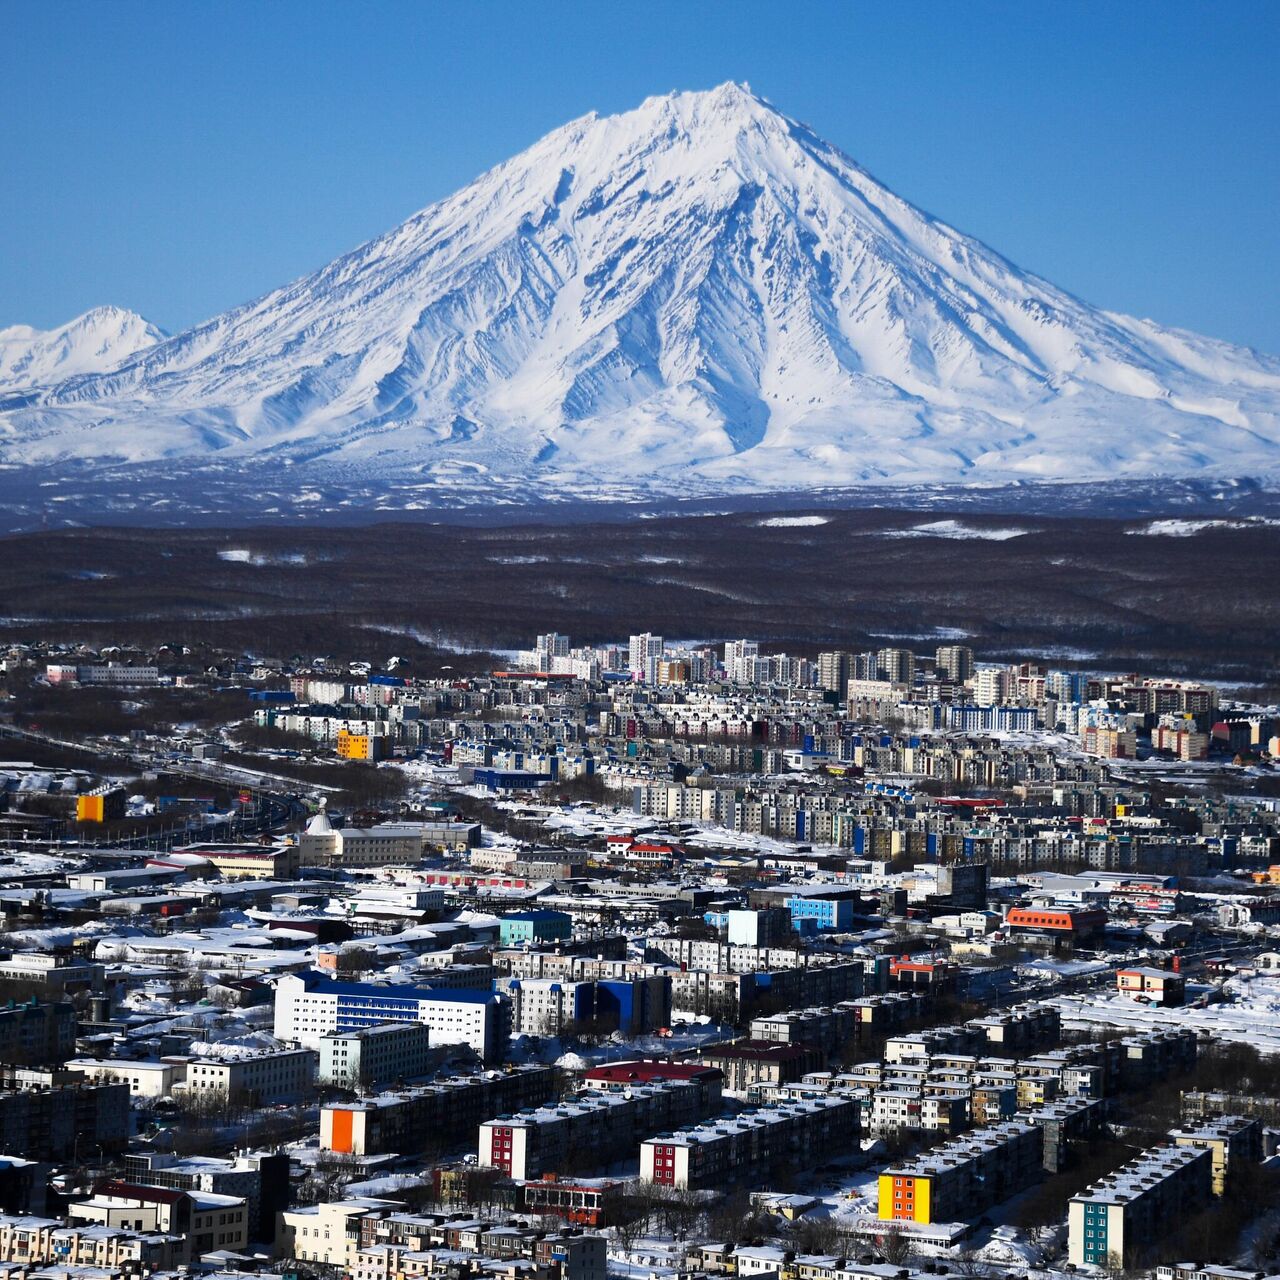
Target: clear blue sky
<point>180,158</point>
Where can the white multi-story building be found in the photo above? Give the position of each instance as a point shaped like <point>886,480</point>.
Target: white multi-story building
<point>309,1007</point>
<point>645,653</point>
<point>380,1054</point>
<point>991,686</point>
<point>548,1006</point>
<point>273,1076</point>
<point>145,1079</point>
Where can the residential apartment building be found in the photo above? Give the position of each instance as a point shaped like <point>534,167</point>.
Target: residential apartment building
<point>327,1233</point>
<point>769,1141</point>
<point>591,1130</point>
<point>621,1077</point>
<point>961,1179</point>
<point>37,1032</point>
<point>50,1114</point>
<point>1232,1140</point>
<point>261,1178</point>
<point>309,1007</point>
<point>446,1112</point>
<point>748,1065</point>
<point>1119,1220</point>
<point>30,1242</point>
<point>380,1054</point>
<point>206,1221</point>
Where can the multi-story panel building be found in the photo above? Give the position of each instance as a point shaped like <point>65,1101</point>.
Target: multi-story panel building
<point>769,1141</point>
<point>374,1055</point>
<point>962,1178</point>
<point>50,1114</point>
<point>593,1129</point>
<point>437,1115</point>
<point>1233,1140</point>
<point>308,1007</point>
<point>37,1032</point>
<point>1119,1220</point>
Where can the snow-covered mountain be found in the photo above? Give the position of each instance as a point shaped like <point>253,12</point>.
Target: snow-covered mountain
<point>96,341</point>
<point>699,293</point>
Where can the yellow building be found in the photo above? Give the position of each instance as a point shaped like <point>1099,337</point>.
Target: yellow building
<point>102,804</point>
<point>360,746</point>
<point>905,1197</point>
<point>1229,1138</point>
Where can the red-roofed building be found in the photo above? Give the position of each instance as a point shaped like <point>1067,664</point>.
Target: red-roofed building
<point>617,1077</point>
<point>1059,922</point>
<point>204,1220</point>
<point>925,973</point>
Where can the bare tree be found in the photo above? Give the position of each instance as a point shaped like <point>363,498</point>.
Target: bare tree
<point>895,1245</point>
<point>817,1235</point>
<point>967,1263</point>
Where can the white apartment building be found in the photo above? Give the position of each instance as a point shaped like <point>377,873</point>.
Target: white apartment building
<point>145,1079</point>
<point>309,1007</point>
<point>547,1006</point>
<point>645,654</point>
<point>273,1076</point>
<point>385,1053</point>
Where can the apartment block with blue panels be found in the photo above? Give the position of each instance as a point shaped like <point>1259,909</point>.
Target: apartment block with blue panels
<point>821,915</point>
<point>534,926</point>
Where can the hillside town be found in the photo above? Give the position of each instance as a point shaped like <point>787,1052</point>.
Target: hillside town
<point>650,960</point>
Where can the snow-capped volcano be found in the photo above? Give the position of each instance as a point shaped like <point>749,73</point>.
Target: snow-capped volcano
<point>98,340</point>
<point>697,292</point>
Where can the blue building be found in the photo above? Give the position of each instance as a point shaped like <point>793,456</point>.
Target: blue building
<point>821,915</point>
<point>534,926</point>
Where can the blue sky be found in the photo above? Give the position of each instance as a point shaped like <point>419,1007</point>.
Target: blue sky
<point>179,159</point>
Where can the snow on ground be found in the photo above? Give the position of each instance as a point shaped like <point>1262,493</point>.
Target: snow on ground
<point>56,939</point>
<point>792,522</point>
<point>1252,1015</point>
<point>243,1046</point>
<point>957,529</point>
<point>389,1184</point>
<point>1189,528</point>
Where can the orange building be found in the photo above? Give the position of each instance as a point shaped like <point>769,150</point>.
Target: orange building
<point>102,804</point>
<point>361,746</point>
<point>1066,922</point>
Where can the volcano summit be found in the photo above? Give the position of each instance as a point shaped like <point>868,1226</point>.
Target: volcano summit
<point>699,296</point>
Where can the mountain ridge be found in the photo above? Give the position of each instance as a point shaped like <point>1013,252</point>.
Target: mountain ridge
<point>94,341</point>
<point>699,291</point>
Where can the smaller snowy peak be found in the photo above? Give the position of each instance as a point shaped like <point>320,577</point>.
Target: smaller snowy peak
<point>92,343</point>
